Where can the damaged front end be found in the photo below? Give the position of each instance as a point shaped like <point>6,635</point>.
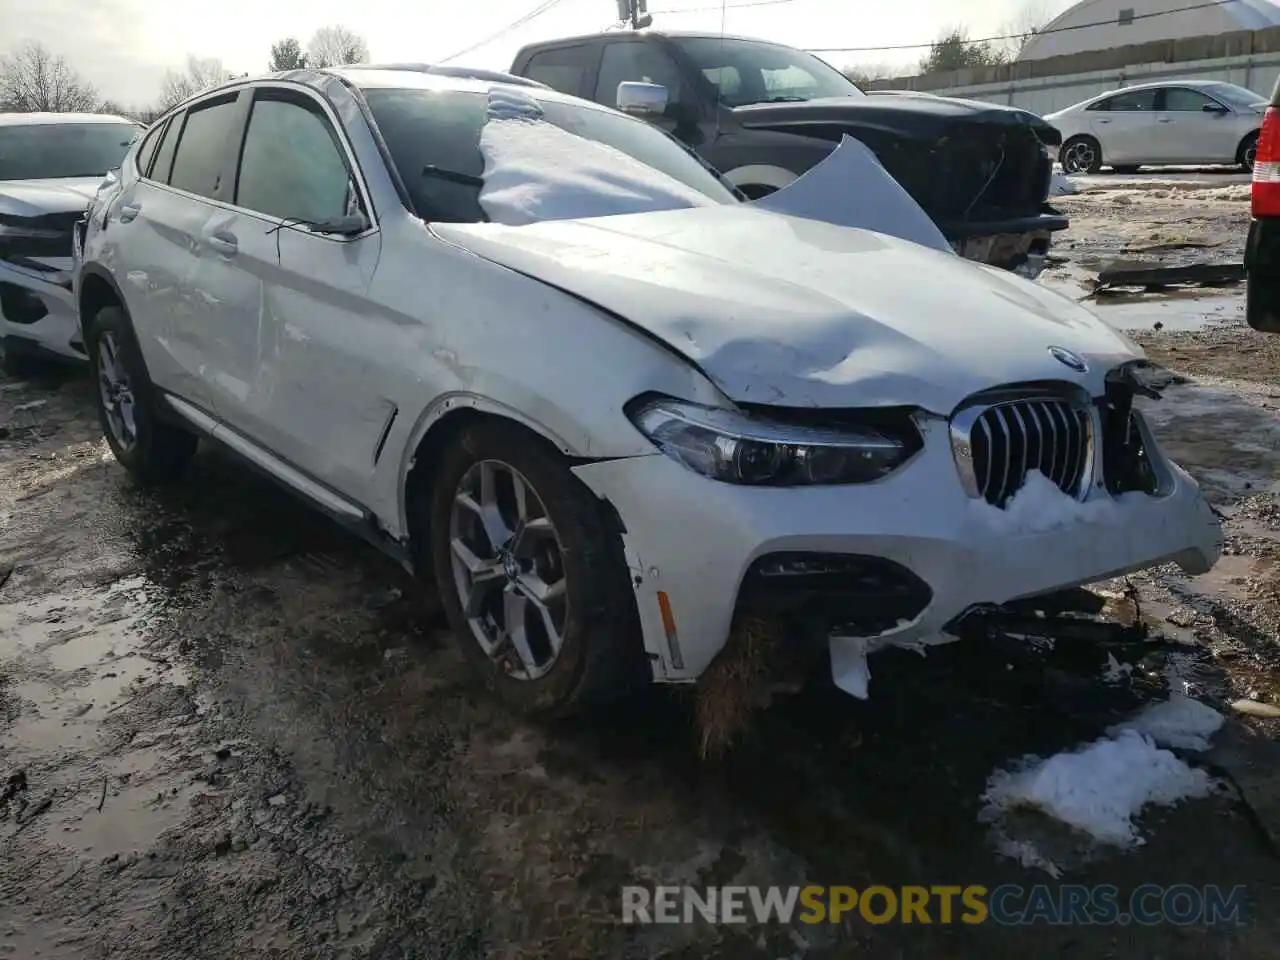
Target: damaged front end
<point>37,315</point>
<point>981,172</point>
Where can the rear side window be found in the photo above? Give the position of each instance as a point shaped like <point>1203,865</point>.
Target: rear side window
<point>1134,101</point>
<point>565,68</point>
<point>198,163</point>
<point>292,166</point>
<point>147,151</point>
<point>163,162</point>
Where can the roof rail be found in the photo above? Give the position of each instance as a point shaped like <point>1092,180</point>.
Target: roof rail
<point>461,73</point>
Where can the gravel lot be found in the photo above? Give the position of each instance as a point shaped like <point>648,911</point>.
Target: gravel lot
<point>228,730</point>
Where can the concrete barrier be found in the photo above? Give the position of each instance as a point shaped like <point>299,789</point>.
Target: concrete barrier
<point>1250,58</point>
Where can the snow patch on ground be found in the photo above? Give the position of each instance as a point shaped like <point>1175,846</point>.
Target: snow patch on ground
<point>1100,788</point>
<point>1179,722</point>
<point>535,171</point>
<point>1062,186</point>
<point>1039,506</point>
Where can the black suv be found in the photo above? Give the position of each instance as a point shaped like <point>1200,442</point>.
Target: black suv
<point>1262,253</point>
<point>763,113</point>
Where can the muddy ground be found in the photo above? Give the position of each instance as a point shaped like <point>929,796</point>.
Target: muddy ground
<point>228,730</point>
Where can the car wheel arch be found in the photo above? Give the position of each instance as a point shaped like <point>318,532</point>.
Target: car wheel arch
<point>436,428</point>
<point>1249,137</point>
<point>98,290</point>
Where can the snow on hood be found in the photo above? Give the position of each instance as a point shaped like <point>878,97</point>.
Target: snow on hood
<point>32,198</point>
<point>851,188</point>
<point>535,171</point>
<point>795,312</point>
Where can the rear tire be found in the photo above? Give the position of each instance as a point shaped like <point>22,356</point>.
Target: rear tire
<point>1248,152</point>
<point>152,450</point>
<point>1082,154</point>
<point>550,623</point>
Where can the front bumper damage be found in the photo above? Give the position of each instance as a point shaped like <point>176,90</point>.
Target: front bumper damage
<point>37,309</point>
<point>900,562</point>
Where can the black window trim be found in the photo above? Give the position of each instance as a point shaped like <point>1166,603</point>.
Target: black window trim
<point>235,96</point>
<point>158,132</point>
<point>688,98</point>
<point>308,98</point>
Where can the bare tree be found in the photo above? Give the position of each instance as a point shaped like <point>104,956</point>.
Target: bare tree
<point>287,55</point>
<point>335,45</point>
<point>1032,17</point>
<point>201,73</point>
<point>867,73</point>
<point>33,79</point>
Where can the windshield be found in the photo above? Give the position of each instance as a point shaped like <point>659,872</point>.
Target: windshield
<point>1236,96</point>
<point>749,71</point>
<point>50,151</point>
<point>434,140</point>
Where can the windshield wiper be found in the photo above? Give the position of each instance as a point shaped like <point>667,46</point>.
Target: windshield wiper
<point>781,100</point>
<point>431,170</point>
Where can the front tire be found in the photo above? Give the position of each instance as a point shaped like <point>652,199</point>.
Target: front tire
<point>150,449</point>
<point>1081,155</point>
<point>531,576</point>
<point>1248,152</point>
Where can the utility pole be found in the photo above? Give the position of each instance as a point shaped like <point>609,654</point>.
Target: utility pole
<point>636,12</point>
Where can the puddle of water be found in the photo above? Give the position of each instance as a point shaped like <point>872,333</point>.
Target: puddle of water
<point>1175,310</point>
<point>131,819</point>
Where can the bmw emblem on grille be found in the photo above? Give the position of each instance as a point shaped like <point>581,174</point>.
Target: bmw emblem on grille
<point>1067,358</point>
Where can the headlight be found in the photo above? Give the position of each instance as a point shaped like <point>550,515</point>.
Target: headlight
<point>738,448</point>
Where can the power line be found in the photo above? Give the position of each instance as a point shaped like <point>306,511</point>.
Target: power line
<point>717,9</point>
<point>537,11</point>
<point>1021,36</point>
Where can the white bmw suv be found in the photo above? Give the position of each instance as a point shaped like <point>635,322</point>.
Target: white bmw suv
<point>535,349</point>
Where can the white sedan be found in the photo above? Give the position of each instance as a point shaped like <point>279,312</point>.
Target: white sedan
<point>1167,123</point>
<point>537,351</point>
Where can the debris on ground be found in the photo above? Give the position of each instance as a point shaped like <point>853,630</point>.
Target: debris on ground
<point>733,688</point>
<point>1153,279</point>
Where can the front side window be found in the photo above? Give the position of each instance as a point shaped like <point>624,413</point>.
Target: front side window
<point>147,150</point>
<point>162,165</point>
<point>202,147</point>
<point>1239,97</point>
<point>751,71</point>
<point>1184,100</point>
<point>292,166</point>
<point>635,61</point>
<point>51,151</point>
<point>434,140</point>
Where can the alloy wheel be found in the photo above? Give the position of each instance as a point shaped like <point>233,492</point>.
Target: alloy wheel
<point>508,567</point>
<point>1078,158</point>
<point>116,392</point>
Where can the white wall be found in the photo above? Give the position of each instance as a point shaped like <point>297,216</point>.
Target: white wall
<point>1205,22</point>
<point>1046,94</point>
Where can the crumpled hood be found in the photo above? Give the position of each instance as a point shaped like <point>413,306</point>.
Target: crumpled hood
<point>924,115</point>
<point>794,312</point>
<point>33,198</point>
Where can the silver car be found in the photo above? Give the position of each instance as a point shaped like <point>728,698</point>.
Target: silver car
<point>1172,122</point>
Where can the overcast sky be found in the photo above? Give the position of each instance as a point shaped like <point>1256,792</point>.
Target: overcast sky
<point>125,46</point>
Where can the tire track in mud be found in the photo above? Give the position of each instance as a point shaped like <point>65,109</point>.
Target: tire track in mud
<point>296,761</point>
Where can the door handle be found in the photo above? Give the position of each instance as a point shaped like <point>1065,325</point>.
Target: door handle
<point>1103,120</point>
<point>1163,120</point>
<point>128,211</point>
<point>223,242</point>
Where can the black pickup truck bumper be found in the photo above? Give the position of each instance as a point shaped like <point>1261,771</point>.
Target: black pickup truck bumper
<point>1019,244</point>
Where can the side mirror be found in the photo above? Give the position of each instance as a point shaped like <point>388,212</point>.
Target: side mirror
<point>1214,108</point>
<point>642,99</point>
